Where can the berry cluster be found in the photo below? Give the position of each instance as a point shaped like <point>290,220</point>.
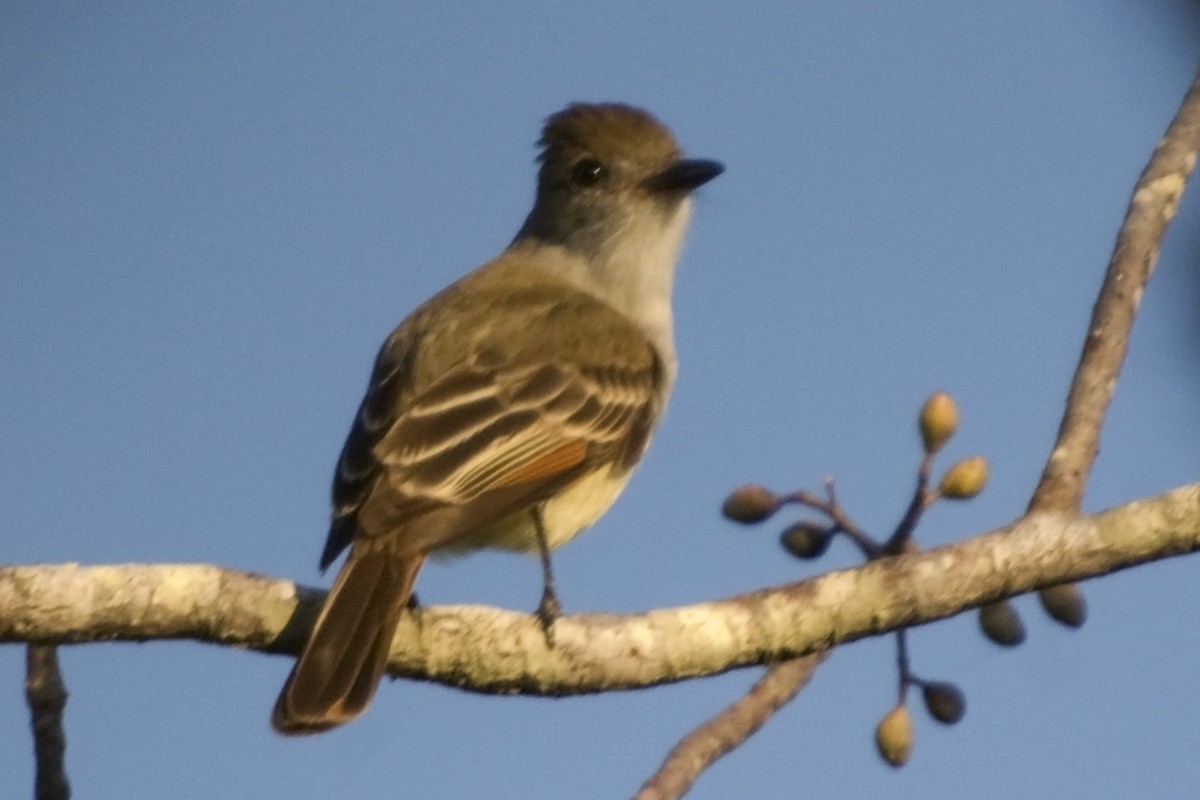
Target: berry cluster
<point>810,538</point>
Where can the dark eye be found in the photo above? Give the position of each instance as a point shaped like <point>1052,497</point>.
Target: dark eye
<point>588,172</point>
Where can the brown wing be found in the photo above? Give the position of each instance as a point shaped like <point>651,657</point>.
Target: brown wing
<point>357,467</point>
<point>506,425</point>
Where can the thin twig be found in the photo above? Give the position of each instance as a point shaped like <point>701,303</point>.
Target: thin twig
<point>1155,200</point>
<point>903,670</point>
<point>842,523</point>
<point>47,697</point>
<point>728,729</point>
<point>901,538</point>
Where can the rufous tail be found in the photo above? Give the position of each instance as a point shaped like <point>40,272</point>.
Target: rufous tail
<point>339,670</point>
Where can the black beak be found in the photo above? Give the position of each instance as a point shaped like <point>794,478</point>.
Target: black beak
<point>686,175</point>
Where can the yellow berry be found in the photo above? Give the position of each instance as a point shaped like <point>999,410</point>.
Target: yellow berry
<point>894,736</point>
<point>938,421</point>
<point>965,479</point>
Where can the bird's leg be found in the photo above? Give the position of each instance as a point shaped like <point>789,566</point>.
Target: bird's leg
<point>549,608</point>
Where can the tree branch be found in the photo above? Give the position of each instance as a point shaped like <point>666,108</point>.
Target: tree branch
<point>1153,205</point>
<point>47,697</point>
<point>495,651</point>
<point>1064,478</point>
<point>728,729</point>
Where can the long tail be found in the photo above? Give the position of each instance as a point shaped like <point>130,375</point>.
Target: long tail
<point>341,666</point>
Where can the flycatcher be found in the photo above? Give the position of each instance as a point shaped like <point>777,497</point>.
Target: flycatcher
<point>509,409</point>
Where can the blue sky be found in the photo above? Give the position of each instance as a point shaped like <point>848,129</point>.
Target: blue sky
<point>212,215</point>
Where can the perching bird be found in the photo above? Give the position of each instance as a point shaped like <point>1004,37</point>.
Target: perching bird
<point>509,410</point>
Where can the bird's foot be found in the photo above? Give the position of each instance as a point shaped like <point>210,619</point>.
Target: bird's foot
<point>548,612</point>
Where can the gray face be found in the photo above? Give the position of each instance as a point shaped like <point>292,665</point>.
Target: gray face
<point>603,166</point>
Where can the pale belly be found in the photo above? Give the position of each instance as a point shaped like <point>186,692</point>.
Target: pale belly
<point>573,509</point>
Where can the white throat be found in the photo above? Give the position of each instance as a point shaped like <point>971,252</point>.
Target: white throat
<point>633,270</point>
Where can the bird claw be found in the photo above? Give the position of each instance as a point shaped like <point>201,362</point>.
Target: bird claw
<point>548,612</point>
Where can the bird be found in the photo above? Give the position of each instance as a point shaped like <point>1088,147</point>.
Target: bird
<point>509,410</point>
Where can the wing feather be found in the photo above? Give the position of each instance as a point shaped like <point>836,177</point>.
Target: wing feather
<point>510,415</point>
